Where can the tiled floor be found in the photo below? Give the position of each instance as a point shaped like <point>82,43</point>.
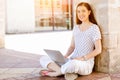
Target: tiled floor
<point>16,65</point>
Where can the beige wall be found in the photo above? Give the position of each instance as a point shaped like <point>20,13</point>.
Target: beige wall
<point>2,22</point>
<point>107,13</point>
<point>20,16</point>
<point>114,32</point>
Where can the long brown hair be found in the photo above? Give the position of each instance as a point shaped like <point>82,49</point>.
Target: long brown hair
<point>91,16</point>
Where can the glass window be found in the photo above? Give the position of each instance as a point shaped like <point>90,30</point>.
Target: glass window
<point>52,15</point>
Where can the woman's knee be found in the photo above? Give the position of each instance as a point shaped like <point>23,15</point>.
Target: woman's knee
<point>44,61</point>
<point>42,58</point>
<point>69,67</point>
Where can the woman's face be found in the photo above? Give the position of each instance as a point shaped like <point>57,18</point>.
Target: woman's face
<point>83,13</point>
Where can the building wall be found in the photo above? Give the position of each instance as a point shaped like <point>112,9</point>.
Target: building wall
<point>2,23</point>
<point>107,12</point>
<point>20,16</point>
<point>114,33</point>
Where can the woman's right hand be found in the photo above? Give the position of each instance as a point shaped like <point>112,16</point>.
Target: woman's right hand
<point>66,56</point>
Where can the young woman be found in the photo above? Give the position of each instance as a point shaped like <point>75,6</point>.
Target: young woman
<point>85,45</point>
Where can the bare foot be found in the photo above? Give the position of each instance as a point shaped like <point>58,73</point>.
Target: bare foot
<point>44,72</point>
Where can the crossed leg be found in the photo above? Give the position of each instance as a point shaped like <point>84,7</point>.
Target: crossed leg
<point>56,70</point>
<point>52,71</point>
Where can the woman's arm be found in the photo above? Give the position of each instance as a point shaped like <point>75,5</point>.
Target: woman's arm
<point>95,52</point>
<point>71,48</point>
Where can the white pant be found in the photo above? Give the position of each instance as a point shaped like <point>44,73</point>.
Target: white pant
<point>72,66</point>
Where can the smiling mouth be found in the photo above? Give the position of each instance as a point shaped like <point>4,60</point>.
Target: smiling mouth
<point>82,17</point>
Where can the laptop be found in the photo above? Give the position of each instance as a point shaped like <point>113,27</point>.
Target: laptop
<point>56,56</point>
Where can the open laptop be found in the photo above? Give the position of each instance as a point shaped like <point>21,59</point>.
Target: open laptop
<point>56,56</point>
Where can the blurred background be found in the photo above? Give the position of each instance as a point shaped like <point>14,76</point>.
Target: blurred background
<point>38,15</point>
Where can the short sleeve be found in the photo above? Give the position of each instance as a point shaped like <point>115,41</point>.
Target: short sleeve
<point>96,33</point>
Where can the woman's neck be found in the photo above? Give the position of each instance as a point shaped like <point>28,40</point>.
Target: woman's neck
<point>86,22</point>
<point>85,25</point>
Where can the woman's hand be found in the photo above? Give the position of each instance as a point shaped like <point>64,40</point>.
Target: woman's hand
<point>66,56</point>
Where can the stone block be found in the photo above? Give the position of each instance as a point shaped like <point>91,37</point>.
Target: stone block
<point>102,62</point>
<point>114,63</point>
<point>110,40</point>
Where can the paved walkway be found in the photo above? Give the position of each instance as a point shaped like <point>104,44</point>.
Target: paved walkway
<point>15,65</point>
<point>19,60</point>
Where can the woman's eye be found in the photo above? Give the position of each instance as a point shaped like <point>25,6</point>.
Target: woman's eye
<point>78,11</point>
